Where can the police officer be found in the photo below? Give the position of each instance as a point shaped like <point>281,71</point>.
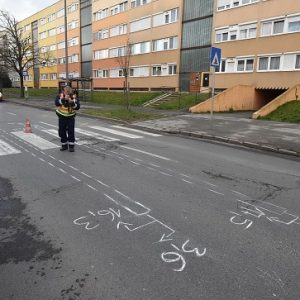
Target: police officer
<point>67,103</point>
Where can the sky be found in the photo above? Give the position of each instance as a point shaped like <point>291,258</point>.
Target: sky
<point>22,9</point>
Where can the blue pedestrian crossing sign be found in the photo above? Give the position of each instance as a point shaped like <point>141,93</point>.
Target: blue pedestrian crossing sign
<point>215,57</point>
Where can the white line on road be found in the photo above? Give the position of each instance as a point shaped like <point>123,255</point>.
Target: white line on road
<point>144,152</point>
<point>35,140</point>
<point>136,130</point>
<point>6,149</point>
<point>117,132</point>
<point>49,124</point>
<point>10,113</point>
<point>216,192</point>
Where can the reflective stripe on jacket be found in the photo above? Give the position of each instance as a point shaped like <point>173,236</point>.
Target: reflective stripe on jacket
<point>66,111</point>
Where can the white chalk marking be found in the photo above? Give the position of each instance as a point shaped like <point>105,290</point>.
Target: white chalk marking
<point>147,210</point>
<point>144,152</point>
<point>49,163</point>
<point>10,113</point>
<point>62,162</point>
<point>165,174</point>
<point>73,168</point>
<point>136,130</point>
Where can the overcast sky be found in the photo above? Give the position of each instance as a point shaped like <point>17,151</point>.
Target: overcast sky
<point>22,9</point>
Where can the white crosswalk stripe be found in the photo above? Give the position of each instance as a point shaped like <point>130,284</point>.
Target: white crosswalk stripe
<point>35,140</point>
<point>6,149</point>
<point>117,132</point>
<point>137,130</point>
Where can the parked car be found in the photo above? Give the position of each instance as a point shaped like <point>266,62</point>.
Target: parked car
<point>1,96</point>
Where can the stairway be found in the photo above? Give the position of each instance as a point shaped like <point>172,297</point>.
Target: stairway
<point>162,99</point>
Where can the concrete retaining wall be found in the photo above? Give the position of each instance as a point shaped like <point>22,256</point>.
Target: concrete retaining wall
<point>290,95</point>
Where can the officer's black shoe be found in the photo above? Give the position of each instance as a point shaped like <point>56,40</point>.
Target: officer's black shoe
<point>71,149</point>
<point>63,147</point>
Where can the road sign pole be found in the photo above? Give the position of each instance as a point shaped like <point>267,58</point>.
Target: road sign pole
<point>212,70</point>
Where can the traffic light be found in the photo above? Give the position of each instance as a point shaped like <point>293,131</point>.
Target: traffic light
<point>204,79</point>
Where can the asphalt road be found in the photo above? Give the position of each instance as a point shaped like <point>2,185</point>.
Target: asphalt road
<point>133,215</point>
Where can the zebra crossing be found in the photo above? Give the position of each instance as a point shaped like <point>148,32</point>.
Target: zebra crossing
<point>84,136</point>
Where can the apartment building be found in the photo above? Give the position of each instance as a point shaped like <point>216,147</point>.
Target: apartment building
<point>101,37</point>
<point>260,42</point>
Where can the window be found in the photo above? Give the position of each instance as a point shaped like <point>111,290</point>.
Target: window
<point>272,27</point>
<point>61,45</point>
<point>141,71</point>
<point>62,60</point>
<point>101,14</point>
<point>141,24</point>
<point>73,58</point>
<point>44,76</point>
<point>115,73</point>
<point>165,44</point>
<point>118,8</point>
<point>140,48</point>
<point>101,54</point>
<point>118,30</point>
<point>52,47</point>
<point>43,21</point>
<point>100,35</point>
<point>43,35</point>
<point>167,17</point>
<point>297,64</point>
<point>73,24</point>
<point>136,3</point>
<point>117,52</point>
<point>72,7</point>
<point>244,65</point>
<point>51,17</point>
<point>156,70</point>
<point>60,29</point>
<point>73,42</point>
<point>227,4</point>
<point>60,13</point>
<point>247,31</point>
<point>102,73</point>
<point>172,69</point>
<point>53,76</point>
<point>52,32</point>
<point>269,63</point>
<point>293,24</point>
<point>275,63</point>
<point>278,27</point>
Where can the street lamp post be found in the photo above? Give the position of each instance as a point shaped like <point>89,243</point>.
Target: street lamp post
<point>66,43</point>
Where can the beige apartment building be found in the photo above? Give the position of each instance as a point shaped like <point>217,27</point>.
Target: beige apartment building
<point>260,42</point>
<point>145,35</point>
<point>260,54</point>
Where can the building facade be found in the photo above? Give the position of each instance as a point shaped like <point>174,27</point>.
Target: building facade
<point>160,43</point>
<point>260,43</point>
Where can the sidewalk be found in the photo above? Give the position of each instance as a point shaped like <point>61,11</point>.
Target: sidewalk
<point>232,128</point>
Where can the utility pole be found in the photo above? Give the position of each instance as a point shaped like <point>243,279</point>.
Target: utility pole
<point>66,43</point>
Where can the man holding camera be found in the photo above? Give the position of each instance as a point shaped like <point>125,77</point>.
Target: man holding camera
<point>67,103</point>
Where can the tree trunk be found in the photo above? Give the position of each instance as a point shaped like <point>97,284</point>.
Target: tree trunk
<point>21,86</point>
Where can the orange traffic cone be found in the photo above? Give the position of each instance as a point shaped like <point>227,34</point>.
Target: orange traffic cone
<point>27,128</point>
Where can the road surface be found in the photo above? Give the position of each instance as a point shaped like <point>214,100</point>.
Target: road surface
<point>137,215</point>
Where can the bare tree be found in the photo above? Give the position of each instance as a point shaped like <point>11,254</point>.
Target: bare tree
<point>124,63</point>
<point>17,52</point>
